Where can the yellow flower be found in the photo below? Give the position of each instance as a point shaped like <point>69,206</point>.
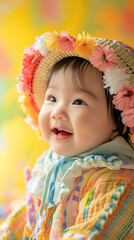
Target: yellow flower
<point>51,41</point>
<point>28,106</point>
<point>85,45</point>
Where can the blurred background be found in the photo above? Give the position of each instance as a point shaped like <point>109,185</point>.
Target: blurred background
<point>20,22</point>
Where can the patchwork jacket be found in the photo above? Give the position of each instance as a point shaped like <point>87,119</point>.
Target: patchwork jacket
<point>90,196</point>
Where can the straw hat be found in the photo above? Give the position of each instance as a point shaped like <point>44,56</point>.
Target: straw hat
<point>114,58</point>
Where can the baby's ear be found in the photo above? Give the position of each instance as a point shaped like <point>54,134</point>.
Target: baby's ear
<point>114,134</point>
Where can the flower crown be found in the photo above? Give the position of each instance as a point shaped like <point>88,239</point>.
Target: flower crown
<point>114,58</point>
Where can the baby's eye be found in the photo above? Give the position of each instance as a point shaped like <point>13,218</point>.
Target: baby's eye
<point>52,98</point>
<point>79,102</point>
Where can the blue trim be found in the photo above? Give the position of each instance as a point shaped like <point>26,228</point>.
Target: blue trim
<point>52,184</point>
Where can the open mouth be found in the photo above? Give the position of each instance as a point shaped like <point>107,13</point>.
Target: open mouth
<point>60,132</point>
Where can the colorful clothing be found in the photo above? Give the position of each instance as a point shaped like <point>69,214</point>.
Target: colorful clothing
<point>90,196</point>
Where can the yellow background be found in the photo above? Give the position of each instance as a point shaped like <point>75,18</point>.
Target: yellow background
<point>20,22</point>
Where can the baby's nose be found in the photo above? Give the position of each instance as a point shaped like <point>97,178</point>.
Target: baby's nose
<point>59,114</point>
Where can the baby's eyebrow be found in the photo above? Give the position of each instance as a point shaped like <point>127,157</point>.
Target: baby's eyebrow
<point>52,87</point>
<point>77,90</point>
<point>86,91</point>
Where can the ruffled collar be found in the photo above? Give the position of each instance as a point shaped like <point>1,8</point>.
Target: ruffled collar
<point>53,175</point>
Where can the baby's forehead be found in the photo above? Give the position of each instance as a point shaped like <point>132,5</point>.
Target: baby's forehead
<point>84,76</point>
<point>81,78</point>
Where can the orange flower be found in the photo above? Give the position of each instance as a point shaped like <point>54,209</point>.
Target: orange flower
<point>85,45</point>
<point>51,41</point>
<point>131,135</point>
<point>132,138</point>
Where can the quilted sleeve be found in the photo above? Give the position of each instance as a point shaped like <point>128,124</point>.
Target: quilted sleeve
<point>105,210</point>
<point>13,226</point>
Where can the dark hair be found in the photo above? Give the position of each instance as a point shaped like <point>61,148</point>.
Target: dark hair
<point>79,66</point>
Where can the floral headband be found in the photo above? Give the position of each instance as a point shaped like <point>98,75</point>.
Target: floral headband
<point>114,58</point>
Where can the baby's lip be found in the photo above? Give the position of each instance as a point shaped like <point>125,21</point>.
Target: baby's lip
<point>61,130</point>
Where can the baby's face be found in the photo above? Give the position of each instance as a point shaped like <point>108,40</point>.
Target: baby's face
<point>75,120</point>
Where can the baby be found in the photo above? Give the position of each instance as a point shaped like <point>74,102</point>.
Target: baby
<point>74,117</point>
<point>80,94</point>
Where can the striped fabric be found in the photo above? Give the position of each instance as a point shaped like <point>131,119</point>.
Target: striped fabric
<point>100,206</point>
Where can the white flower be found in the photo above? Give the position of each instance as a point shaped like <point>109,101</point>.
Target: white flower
<point>39,45</point>
<point>116,79</point>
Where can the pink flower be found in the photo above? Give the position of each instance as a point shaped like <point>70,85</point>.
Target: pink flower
<point>124,99</point>
<point>103,58</point>
<point>128,117</point>
<point>22,87</point>
<point>25,78</point>
<point>24,84</point>
<point>32,123</point>
<point>66,41</point>
<point>29,54</point>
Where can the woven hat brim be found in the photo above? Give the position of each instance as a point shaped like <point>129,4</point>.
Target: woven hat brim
<point>42,74</point>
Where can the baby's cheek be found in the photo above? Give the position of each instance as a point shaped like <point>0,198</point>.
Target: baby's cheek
<point>42,120</point>
<point>85,129</point>
<point>39,119</point>
<point>87,121</point>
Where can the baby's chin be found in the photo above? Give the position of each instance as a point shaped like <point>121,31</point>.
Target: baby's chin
<point>73,150</point>
<point>68,154</point>
<point>65,153</point>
